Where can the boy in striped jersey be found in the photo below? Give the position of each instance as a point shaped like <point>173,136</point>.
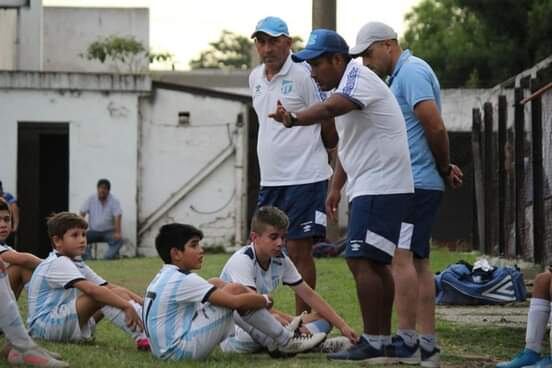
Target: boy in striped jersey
<point>20,349</point>
<point>57,312</point>
<point>186,316</point>
<point>19,266</point>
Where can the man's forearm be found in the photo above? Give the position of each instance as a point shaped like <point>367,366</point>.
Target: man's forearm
<point>339,177</point>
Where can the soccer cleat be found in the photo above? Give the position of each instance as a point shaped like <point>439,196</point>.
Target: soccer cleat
<point>361,352</point>
<point>545,362</point>
<point>522,359</point>
<point>430,359</point>
<point>143,344</point>
<point>399,352</point>
<point>295,322</point>
<point>35,357</point>
<point>333,345</point>
<point>301,343</point>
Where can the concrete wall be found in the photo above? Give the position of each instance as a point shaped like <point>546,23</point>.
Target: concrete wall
<point>8,22</point>
<point>68,32</point>
<point>103,132</point>
<point>171,155</point>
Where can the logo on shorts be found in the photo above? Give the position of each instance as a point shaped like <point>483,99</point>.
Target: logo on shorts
<point>287,86</point>
<point>355,245</point>
<point>307,226</point>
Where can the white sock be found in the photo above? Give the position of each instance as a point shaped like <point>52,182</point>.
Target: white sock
<point>117,317</point>
<point>374,340</point>
<point>385,340</point>
<point>263,328</point>
<point>428,342</point>
<point>10,319</point>
<point>537,319</point>
<point>410,337</point>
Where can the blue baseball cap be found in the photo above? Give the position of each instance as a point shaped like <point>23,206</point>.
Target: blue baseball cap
<point>272,26</point>
<point>321,41</point>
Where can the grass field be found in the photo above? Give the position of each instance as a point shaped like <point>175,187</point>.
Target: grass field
<point>462,346</point>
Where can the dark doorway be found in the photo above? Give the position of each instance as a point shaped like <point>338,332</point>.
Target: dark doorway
<point>455,217</point>
<point>253,171</point>
<point>42,181</point>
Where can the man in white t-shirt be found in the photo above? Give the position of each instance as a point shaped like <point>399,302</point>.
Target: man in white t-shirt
<point>293,163</point>
<point>374,160</point>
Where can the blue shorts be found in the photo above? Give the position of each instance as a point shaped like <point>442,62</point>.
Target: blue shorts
<point>416,227</point>
<point>304,204</point>
<point>375,226</point>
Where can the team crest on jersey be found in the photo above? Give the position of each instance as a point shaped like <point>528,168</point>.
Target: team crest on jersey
<point>258,89</point>
<point>287,86</point>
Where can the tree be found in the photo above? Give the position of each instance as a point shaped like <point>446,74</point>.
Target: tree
<point>479,43</point>
<point>124,51</point>
<point>231,51</point>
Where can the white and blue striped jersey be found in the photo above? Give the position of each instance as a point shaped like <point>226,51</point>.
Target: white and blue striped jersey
<point>173,300</point>
<point>52,285</point>
<point>243,268</point>
<point>5,248</point>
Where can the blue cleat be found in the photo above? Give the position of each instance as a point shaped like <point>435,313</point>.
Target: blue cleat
<point>545,362</point>
<point>399,352</point>
<point>522,359</point>
<point>360,352</point>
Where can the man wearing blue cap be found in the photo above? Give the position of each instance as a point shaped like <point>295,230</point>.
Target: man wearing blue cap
<point>293,163</point>
<point>417,90</point>
<point>373,159</point>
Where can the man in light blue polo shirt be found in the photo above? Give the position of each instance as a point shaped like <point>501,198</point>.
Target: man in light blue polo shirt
<point>417,91</point>
<point>104,220</point>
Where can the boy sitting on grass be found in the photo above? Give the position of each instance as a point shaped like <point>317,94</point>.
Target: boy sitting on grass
<point>537,322</point>
<point>263,265</point>
<point>20,349</point>
<point>186,316</point>
<point>19,266</point>
<point>57,312</point>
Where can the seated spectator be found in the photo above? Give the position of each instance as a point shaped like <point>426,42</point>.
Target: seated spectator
<point>104,219</point>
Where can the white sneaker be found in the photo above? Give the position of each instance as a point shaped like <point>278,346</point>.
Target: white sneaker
<point>334,344</point>
<point>35,357</point>
<point>301,343</point>
<point>295,322</point>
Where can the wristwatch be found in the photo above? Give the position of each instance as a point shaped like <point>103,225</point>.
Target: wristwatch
<point>292,120</point>
<point>446,172</point>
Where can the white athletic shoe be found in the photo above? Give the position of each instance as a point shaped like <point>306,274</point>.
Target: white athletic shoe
<point>35,357</point>
<point>334,344</point>
<point>301,343</point>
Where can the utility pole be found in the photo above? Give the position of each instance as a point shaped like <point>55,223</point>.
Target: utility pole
<point>324,14</point>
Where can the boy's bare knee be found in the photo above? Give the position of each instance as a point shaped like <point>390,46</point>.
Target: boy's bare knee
<point>541,285</point>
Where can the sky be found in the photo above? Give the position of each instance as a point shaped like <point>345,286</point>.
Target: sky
<point>185,27</point>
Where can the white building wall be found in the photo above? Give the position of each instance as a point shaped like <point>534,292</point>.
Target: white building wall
<point>68,32</point>
<point>172,155</point>
<point>8,22</point>
<point>102,142</point>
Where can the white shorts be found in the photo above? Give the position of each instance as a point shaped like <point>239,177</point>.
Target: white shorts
<point>211,325</point>
<point>62,324</point>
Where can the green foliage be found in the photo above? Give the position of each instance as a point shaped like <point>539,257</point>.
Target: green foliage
<point>125,51</point>
<point>479,43</point>
<point>232,51</point>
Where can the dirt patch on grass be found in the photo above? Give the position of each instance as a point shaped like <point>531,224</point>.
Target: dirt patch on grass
<point>510,315</point>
